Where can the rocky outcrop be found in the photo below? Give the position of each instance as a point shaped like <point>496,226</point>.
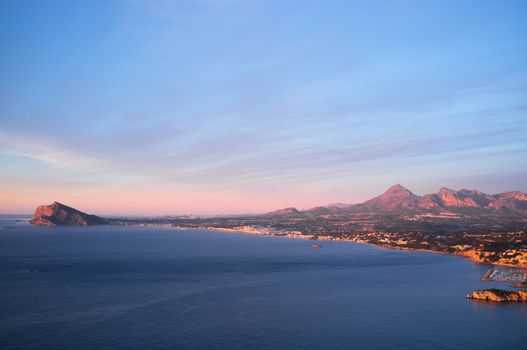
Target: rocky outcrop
<point>499,296</point>
<point>510,201</point>
<point>450,198</point>
<point>58,214</point>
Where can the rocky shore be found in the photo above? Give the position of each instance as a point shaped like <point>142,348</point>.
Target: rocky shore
<point>499,295</point>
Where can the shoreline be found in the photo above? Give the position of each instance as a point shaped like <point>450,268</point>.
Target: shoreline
<point>298,235</point>
<point>286,235</point>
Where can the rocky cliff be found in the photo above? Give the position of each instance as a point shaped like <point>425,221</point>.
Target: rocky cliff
<point>498,295</point>
<point>58,214</point>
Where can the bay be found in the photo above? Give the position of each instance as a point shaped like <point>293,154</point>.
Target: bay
<point>109,287</point>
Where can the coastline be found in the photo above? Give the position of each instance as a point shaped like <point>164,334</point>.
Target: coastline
<point>469,255</point>
<point>291,235</point>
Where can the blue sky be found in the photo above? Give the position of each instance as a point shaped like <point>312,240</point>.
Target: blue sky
<point>203,106</point>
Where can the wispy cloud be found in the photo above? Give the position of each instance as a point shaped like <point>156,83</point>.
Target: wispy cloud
<point>44,151</point>
<point>236,98</point>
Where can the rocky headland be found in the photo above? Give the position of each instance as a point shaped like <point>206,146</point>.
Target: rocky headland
<point>499,295</point>
<point>58,214</point>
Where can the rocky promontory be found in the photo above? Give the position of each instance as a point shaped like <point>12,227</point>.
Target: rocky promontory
<point>58,214</point>
<point>499,295</point>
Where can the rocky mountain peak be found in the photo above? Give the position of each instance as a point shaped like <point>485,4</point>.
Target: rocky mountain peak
<point>398,190</point>
<point>446,191</point>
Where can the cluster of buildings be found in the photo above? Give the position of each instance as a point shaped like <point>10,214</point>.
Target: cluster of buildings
<point>493,240</point>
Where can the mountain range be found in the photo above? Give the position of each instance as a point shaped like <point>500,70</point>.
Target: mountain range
<point>399,200</point>
<point>396,200</point>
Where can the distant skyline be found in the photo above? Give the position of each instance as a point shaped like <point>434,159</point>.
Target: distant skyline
<point>246,106</point>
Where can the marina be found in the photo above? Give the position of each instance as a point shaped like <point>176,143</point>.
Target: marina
<point>518,277</point>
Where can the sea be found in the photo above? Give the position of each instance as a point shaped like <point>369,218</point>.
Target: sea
<point>109,287</point>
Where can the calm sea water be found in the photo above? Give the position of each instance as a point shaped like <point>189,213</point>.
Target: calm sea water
<point>146,288</point>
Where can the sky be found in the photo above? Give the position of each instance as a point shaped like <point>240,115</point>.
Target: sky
<point>160,107</point>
